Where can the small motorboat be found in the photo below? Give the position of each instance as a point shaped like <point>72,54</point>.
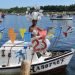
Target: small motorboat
<point>11,56</point>
<point>61,17</point>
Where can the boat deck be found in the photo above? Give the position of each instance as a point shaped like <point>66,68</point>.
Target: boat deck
<point>55,53</point>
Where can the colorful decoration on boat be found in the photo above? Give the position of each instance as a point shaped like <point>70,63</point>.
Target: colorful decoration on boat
<point>57,35</point>
<point>12,35</point>
<point>21,55</point>
<point>27,37</point>
<point>39,44</point>
<point>50,32</point>
<point>0,36</point>
<point>22,31</point>
<point>50,36</point>
<point>50,29</point>
<point>69,30</point>
<point>43,33</point>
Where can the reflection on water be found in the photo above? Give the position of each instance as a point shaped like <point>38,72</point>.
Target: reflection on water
<point>61,42</point>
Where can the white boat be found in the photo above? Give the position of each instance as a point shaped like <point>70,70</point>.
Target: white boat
<point>11,56</point>
<point>61,17</point>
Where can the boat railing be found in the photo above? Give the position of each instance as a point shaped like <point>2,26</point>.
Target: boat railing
<point>12,46</point>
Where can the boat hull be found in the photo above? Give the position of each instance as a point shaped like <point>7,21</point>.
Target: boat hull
<point>16,71</point>
<point>58,70</point>
<point>48,65</point>
<point>61,18</point>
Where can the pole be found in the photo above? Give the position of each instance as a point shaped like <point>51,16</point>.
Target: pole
<point>25,67</point>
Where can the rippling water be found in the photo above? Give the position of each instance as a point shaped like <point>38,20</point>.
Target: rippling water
<point>17,22</point>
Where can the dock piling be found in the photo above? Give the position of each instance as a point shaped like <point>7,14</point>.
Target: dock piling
<point>25,67</point>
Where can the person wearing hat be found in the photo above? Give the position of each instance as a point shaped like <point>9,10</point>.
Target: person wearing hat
<point>34,29</point>
<point>35,33</point>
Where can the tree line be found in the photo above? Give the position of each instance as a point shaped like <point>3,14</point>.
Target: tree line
<point>59,8</point>
<point>49,8</point>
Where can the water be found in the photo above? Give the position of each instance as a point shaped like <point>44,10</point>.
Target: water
<point>61,43</point>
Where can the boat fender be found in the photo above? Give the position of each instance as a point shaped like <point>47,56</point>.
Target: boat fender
<point>9,54</point>
<point>3,65</point>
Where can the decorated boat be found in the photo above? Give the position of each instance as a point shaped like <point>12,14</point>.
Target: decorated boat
<point>12,53</point>
<point>11,56</point>
<point>34,49</point>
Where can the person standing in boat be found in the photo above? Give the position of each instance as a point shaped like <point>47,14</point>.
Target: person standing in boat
<point>34,29</point>
<point>36,33</point>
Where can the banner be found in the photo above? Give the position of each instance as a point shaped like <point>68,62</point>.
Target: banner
<point>12,35</point>
<point>27,37</point>
<point>22,31</point>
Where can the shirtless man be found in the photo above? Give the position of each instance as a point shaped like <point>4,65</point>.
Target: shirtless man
<point>35,33</point>
<point>34,29</point>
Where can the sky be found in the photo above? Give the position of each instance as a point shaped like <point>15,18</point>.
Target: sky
<point>24,3</point>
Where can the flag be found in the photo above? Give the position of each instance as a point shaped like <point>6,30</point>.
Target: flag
<point>12,35</point>
<point>27,37</point>
<point>22,31</point>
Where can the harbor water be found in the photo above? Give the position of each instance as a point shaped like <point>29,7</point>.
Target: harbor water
<point>61,42</point>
